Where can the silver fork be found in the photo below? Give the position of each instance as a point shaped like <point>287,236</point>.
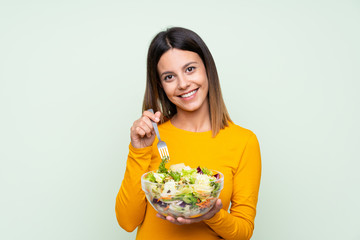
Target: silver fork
<point>163,150</point>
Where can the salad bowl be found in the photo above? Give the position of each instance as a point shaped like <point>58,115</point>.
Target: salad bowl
<point>182,191</point>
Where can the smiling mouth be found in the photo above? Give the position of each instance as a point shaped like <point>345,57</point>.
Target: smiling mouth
<point>189,94</point>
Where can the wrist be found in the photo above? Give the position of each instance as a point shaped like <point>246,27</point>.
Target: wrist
<point>139,149</point>
<point>215,218</point>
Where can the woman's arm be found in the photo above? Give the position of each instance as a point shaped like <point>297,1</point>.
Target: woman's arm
<point>130,202</point>
<point>239,223</point>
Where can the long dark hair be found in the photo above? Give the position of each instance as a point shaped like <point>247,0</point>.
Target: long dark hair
<point>155,97</point>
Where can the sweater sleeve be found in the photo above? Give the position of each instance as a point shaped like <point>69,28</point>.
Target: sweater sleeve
<point>130,205</point>
<point>239,223</point>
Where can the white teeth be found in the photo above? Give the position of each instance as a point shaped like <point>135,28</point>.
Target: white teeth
<point>189,94</point>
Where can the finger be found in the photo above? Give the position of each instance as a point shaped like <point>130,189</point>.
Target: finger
<point>172,220</point>
<point>145,127</point>
<point>185,220</point>
<point>160,216</point>
<point>145,124</point>
<point>219,204</point>
<point>151,116</point>
<point>140,132</point>
<point>157,116</point>
<point>215,209</point>
<point>147,121</point>
<point>138,128</point>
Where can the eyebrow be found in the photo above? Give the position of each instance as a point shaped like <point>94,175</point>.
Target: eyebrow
<point>185,66</point>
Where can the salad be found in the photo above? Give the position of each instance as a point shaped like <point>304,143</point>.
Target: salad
<point>182,190</point>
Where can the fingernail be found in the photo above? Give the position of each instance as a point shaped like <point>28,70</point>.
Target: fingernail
<point>157,119</point>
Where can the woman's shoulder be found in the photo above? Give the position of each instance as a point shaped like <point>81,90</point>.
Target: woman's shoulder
<point>238,131</point>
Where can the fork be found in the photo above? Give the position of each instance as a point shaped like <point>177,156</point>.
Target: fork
<point>163,150</point>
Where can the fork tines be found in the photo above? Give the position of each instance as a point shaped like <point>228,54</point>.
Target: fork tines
<point>164,152</point>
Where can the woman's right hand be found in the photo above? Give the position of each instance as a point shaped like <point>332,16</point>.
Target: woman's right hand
<point>142,132</point>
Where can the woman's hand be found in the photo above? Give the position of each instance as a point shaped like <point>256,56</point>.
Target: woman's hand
<point>181,220</point>
<point>142,133</point>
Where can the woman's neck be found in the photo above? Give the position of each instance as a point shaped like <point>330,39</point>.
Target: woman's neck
<point>195,121</point>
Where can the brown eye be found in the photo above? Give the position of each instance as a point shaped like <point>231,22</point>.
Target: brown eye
<point>168,77</point>
<point>190,69</point>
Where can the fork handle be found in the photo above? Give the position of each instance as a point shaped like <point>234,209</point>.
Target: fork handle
<point>155,125</point>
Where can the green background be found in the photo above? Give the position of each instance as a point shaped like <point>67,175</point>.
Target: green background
<point>72,78</point>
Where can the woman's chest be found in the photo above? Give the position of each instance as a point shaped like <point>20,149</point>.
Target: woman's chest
<point>220,157</point>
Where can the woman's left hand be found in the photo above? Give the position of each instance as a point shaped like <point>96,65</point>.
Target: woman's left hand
<point>181,220</point>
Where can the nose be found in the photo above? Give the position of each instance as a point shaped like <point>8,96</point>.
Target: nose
<point>183,82</point>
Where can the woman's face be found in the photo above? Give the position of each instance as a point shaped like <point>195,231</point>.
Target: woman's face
<point>183,78</point>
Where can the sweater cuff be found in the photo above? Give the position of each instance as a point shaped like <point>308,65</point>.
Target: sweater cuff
<point>216,218</point>
<point>140,151</point>
<point>139,158</point>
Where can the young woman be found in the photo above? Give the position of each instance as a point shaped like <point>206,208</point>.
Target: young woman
<point>184,90</point>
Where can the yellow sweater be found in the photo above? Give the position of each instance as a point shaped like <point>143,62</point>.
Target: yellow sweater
<point>234,152</point>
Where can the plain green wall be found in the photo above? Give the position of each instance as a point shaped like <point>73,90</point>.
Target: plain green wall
<point>72,77</point>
